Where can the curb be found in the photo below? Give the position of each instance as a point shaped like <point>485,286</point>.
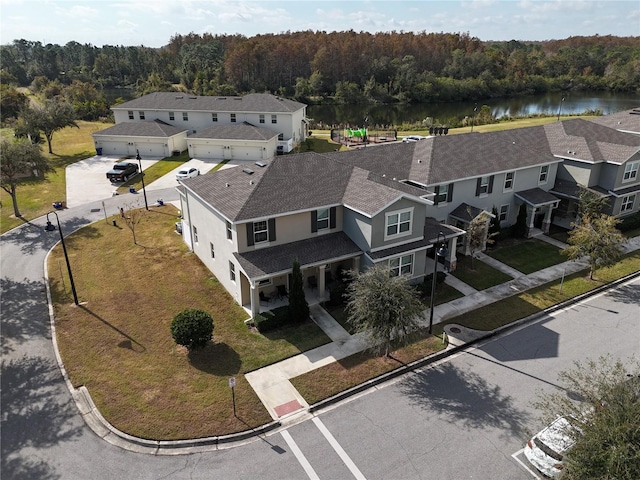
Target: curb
<point>411,367</point>
<point>102,428</point>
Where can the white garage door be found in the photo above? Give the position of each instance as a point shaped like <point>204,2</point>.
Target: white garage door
<point>114,148</point>
<point>207,151</point>
<point>152,149</point>
<point>246,153</point>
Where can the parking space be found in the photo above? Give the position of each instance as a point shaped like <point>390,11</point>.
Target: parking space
<point>169,180</point>
<point>87,179</point>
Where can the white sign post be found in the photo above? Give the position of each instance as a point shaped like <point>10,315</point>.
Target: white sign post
<point>232,384</point>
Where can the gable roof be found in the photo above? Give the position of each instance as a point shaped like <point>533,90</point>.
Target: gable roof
<point>175,101</point>
<point>241,131</point>
<point>294,183</point>
<point>444,159</point>
<point>154,128</point>
<point>575,139</point>
<point>625,121</point>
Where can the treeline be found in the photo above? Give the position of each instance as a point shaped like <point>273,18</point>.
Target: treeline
<point>342,67</point>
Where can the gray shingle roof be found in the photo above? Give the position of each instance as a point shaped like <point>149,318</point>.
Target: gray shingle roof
<point>175,101</point>
<point>628,120</point>
<point>291,183</point>
<point>311,251</point>
<point>154,128</point>
<point>241,131</point>
<point>537,197</point>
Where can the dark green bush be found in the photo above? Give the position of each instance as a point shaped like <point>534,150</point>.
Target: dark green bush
<point>273,319</point>
<point>425,287</point>
<point>629,223</point>
<point>192,328</point>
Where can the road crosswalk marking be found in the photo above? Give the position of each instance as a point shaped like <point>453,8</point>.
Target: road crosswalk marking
<point>311,473</point>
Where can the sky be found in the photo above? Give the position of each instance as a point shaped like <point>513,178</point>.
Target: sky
<point>152,23</point>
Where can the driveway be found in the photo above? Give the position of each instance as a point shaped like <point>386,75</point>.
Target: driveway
<point>87,181</point>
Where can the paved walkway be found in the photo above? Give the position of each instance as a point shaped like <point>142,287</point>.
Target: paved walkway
<point>282,400</point>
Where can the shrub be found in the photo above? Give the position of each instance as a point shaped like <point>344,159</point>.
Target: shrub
<point>337,290</point>
<point>298,306</point>
<point>425,287</point>
<point>273,319</point>
<point>519,229</point>
<point>192,328</point>
<point>629,223</point>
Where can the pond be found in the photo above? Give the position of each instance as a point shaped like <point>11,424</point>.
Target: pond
<point>443,113</point>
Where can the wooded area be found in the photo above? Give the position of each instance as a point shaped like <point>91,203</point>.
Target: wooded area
<point>341,67</point>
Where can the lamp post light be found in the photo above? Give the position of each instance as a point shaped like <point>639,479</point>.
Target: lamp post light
<point>440,253</point>
<point>560,108</point>
<point>473,119</point>
<point>144,192</point>
<point>50,228</point>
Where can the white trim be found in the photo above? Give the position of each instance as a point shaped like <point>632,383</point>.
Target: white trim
<point>546,175</point>
<point>513,182</point>
<point>397,244</point>
<point>398,213</point>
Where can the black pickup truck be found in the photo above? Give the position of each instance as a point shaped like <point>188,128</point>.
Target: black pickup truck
<point>122,171</point>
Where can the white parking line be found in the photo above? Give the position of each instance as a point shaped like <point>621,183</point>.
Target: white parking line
<point>311,473</point>
<point>515,457</point>
<point>339,450</point>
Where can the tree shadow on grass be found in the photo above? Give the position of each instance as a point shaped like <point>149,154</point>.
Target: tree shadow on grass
<point>216,359</point>
<point>465,398</point>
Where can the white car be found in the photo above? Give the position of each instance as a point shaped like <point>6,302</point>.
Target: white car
<point>546,449</point>
<point>187,173</point>
<point>413,138</point>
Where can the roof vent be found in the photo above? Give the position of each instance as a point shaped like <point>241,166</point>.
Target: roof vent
<point>248,171</point>
<point>261,164</point>
<point>222,98</point>
<point>226,184</point>
<point>251,182</point>
<point>237,98</point>
<point>179,96</point>
<point>193,98</point>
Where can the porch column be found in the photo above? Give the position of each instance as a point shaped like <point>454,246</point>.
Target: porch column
<point>530,220</point>
<point>255,301</point>
<point>321,284</point>
<point>546,223</point>
<point>451,262</point>
<point>356,264</point>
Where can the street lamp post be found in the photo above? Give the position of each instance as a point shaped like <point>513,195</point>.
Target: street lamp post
<point>441,252</point>
<point>560,108</point>
<point>144,192</point>
<point>50,228</point>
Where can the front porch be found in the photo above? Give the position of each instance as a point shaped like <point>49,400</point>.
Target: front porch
<point>266,273</point>
<point>274,301</point>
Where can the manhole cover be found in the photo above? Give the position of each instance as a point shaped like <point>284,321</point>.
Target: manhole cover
<point>454,330</point>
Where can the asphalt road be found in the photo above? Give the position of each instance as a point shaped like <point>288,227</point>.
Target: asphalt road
<point>467,417</point>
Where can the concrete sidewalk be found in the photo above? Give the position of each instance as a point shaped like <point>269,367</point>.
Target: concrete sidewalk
<point>283,401</point>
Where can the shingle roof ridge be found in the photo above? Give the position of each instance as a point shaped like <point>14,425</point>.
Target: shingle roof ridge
<point>270,170</point>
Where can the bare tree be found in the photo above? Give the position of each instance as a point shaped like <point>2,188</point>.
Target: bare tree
<point>132,217</point>
<point>478,235</point>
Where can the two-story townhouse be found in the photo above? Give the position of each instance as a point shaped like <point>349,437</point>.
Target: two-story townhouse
<point>199,114</point>
<point>469,174</point>
<point>249,224</point>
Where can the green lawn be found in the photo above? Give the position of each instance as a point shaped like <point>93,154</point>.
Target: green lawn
<point>481,276</point>
<point>118,343</point>
<point>527,256</point>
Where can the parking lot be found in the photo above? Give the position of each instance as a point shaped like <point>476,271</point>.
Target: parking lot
<point>87,181</point>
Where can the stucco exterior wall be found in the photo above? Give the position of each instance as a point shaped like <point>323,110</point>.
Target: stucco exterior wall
<point>289,228</point>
